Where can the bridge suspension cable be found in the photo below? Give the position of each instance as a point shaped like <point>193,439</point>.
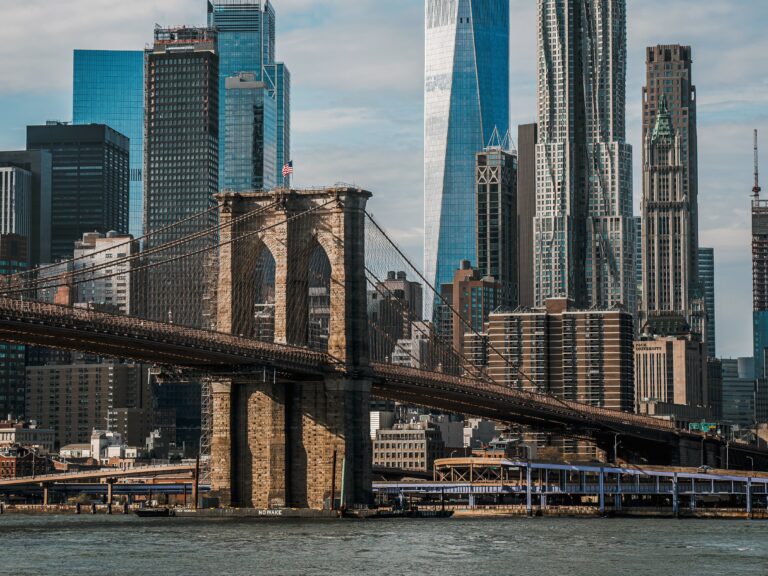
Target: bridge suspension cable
<point>454,313</point>
<point>69,277</point>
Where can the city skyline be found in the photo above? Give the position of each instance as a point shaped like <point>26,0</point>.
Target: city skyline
<point>345,115</point>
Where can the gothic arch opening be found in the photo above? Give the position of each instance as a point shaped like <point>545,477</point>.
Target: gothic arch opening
<point>264,296</point>
<point>319,301</point>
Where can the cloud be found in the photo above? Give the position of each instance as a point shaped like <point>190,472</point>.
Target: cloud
<point>44,33</point>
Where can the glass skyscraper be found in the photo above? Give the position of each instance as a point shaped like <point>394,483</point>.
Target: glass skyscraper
<point>707,279</point>
<point>108,88</point>
<point>251,135</point>
<point>466,97</point>
<point>246,43</point>
<point>89,184</point>
<point>181,150</point>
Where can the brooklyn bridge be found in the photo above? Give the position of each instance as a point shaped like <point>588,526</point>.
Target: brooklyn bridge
<point>227,295</point>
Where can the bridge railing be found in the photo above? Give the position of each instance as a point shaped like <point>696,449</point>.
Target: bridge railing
<point>101,322</point>
<point>521,397</point>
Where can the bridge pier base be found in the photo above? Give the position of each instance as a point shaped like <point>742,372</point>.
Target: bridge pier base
<point>273,444</point>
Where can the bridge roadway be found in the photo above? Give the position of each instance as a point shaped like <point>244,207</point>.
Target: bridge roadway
<point>62,327</point>
<point>102,474</point>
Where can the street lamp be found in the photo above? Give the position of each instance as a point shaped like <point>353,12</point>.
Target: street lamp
<point>616,445</point>
<point>752,462</point>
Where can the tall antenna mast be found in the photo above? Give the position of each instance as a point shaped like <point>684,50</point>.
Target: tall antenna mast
<point>756,190</point>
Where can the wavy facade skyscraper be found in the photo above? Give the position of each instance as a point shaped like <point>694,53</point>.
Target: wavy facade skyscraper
<point>466,96</point>
<point>584,230</point>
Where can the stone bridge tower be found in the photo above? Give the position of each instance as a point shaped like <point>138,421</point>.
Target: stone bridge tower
<point>278,442</point>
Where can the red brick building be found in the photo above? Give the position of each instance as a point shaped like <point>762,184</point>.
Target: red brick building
<point>18,462</point>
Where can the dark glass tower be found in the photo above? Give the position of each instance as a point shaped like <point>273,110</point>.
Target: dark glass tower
<point>707,280</point>
<point>89,182</point>
<point>13,259</point>
<point>38,163</point>
<point>108,88</point>
<point>246,43</point>
<point>497,221</point>
<point>526,210</point>
<point>181,148</point>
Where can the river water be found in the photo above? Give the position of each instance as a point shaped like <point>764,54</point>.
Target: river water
<point>127,545</point>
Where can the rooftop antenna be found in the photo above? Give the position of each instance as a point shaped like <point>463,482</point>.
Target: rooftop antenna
<point>494,143</point>
<point>756,190</point>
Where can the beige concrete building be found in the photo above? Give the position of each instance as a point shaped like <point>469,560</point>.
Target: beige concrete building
<point>580,355</point>
<point>413,446</point>
<point>671,379</point>
<point>75,399</point>
<point>112,284</point>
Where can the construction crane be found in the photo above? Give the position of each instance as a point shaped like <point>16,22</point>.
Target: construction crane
<point>756,190</point>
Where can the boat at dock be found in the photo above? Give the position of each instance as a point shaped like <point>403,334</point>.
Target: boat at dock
<point>155,512</point>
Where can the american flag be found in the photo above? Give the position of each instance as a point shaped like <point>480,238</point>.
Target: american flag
<point>288,169</point>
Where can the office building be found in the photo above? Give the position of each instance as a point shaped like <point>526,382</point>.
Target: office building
<point>246,44</point>
<point>182,65</point>
<point>414,446</point>
<point>394,304</point>
<point>177,409</point>
<point>13,259</point>
<point>74,399</point>
<point>584,239</point>
<point>415,351</point>
<point>671,379</point>
<point>16,201</point>
<point>108,288</point>
<point>90,181</point>
<point>759,276</point>
<point>574,354</point>
<point>472,297</point>
<point>250,134</point>
<point>715,385</point>
<point>466,98</point>
<point>706,264</point>
<point>20,462</point>
<point>281,79</point>
<point>669,78</point>
<point>181,149</point>
<point>26,435</point>
<point>739,392</point>
<point>108,88</point>
<point>638,273</point>
<point>38,164</point>
<point>527,135</point>
<point>381,420</point>
<point>667,264</point>
<point>496,212</point>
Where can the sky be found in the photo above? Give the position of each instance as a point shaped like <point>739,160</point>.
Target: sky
<point>357,106</point>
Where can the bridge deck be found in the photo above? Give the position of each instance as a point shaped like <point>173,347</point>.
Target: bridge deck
<point>172,345</point>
